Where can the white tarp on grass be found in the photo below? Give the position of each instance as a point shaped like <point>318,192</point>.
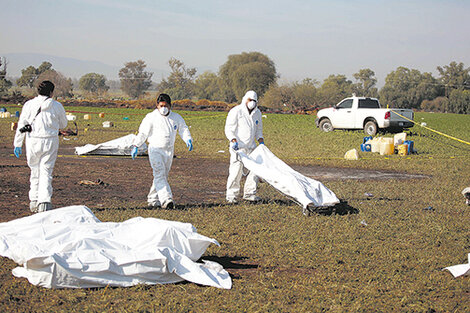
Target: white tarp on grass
<point>119,146</point>
<point>70,248</point>
<point>460,269</point>
<point>305,190</point>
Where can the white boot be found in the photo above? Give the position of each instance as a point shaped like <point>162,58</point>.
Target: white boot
<point>154,205</point>
<point>252,198</point>
<point>33,206</point>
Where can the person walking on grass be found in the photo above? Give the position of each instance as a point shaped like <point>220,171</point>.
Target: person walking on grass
<point>39,122</point>
<point>159,128</point>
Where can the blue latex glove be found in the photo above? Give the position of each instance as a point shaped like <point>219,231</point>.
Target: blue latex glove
<point>234,145</point>
<point>189,144</point>
<point>134,152</point>
<point>17,151</point>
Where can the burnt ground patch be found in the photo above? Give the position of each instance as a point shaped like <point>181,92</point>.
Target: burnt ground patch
<point>194,181</point>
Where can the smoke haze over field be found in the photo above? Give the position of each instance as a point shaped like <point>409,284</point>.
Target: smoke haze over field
<point>304,38</point>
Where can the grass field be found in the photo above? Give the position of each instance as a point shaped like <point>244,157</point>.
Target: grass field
<point>387,257</point>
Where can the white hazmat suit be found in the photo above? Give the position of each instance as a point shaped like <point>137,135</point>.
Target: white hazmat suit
<point>160,132</point>
<point>42,143</point>
<point>246,128</point>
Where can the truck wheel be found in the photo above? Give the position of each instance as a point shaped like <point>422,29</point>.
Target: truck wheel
<point>325,125</point>
<point>370,128</point>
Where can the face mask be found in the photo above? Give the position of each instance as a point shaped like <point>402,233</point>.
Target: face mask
<point>251,104</point>
<point>163,111</point>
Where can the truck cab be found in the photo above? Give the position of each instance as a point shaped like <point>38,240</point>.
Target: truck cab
<point>363,113</point>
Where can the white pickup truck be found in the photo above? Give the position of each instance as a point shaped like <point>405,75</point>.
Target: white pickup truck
<point>363,113</point>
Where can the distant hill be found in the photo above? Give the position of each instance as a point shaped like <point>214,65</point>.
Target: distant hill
<point>70,67</point>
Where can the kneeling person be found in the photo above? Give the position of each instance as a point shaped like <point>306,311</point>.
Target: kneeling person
<point>159,128</point>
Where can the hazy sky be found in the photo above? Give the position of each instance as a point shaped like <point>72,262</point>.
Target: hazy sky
<point>308,38</point>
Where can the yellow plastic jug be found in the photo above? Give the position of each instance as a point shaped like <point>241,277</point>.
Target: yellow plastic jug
<point>403,149</point>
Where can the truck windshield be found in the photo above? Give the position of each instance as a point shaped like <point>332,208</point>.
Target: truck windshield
<point>368,104</point>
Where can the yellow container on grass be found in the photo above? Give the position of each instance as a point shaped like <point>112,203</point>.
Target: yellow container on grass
<point>87,117</point>
<point>403,150</point>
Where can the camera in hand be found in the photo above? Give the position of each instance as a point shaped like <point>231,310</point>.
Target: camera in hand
<point>26,129</point>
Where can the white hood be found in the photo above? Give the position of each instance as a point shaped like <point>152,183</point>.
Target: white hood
<point>250,95</point>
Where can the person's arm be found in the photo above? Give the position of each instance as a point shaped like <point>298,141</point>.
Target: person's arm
<point>184,133</point>
<point>231,124</point>
<point>183,130</point>
<point>259,130</point>
<point>144,131</point>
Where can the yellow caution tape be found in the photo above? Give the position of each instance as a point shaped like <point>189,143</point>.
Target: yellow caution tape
<point>436,131</point>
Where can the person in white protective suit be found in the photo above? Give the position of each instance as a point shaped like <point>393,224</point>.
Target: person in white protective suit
<point>40,121</point>
<point>159,128</point>
<point>242,128</point>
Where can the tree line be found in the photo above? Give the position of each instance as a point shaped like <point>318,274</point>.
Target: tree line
<point>403,88</point>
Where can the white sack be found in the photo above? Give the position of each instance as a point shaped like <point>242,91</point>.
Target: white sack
<point>70,248</point>
<point>461,269</point>
<point>119,146</point>
<point>281,176</point>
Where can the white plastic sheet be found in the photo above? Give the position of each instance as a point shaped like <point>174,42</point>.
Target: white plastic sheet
<point>70,248</point>
<point>460,269</point>
<point>118,146</point>
<point>305,190</point>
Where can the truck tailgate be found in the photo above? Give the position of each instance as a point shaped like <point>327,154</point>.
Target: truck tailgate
<point>401,115</point>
